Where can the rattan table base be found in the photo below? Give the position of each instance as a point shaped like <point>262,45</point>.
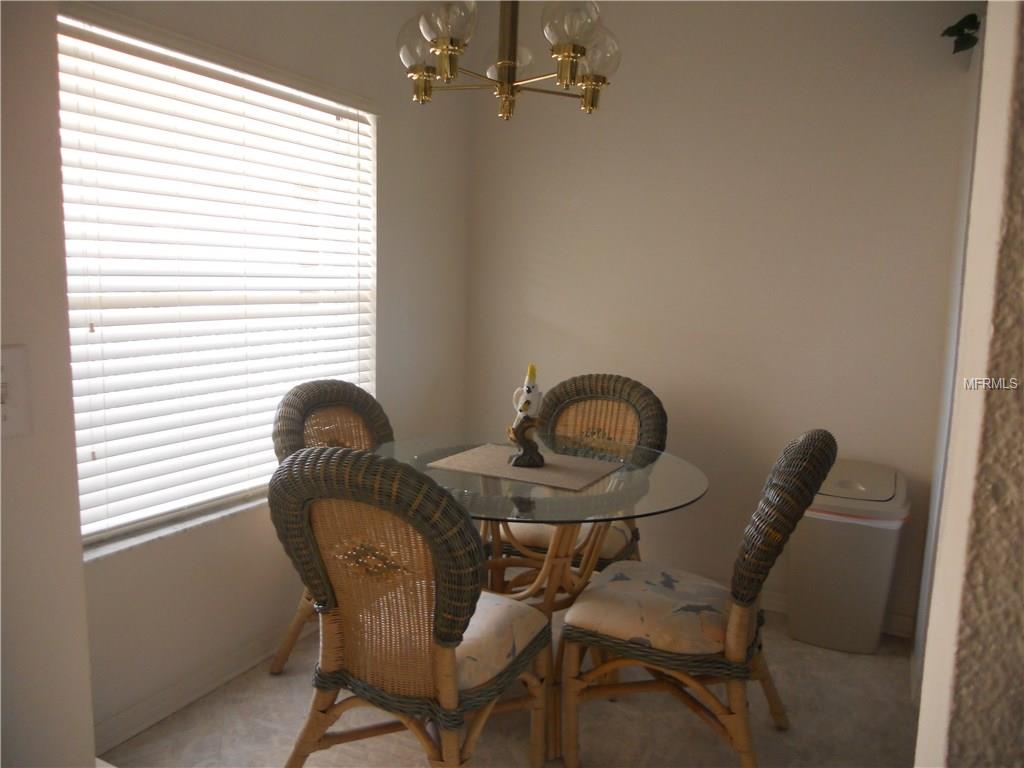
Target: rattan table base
<point>548,581</point>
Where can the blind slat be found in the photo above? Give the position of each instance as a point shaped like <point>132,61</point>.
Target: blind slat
<point>94,379</point>
<point>89,467</point>
<point>113,492</point>
<point>80,266</point>
<point>104,448</point>
<point>124,480</point>
<point>88,318</point>
<point>232,223</point>
<point>351,180</point>
<point>118,156</point>
<point>98,230</point>
<point>83,185</point>
<point>238,343</point>
<point>233,145</point>
<point>132,106</point>
<point>109,250</point>
<point>199,76</point>
<point>207,361</point>
<point>166,197</point>
<point>210,328</point>
<point>119,172</point>
<point>254,476</point>
<point>93,407</point>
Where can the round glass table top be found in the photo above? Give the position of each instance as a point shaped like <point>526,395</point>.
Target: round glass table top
<point>644,483</point>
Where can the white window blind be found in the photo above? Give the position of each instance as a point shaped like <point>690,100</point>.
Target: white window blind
<point>221,248</point>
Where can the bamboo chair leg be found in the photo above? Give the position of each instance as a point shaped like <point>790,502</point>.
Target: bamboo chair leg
<point>554,709</point>
<point>303,613</point>
<point>763,675</point>
<point>451,748</point>
<point>737,723</point>
<point>317,723</point>
<point>538,721</point>
<point>571,687</point>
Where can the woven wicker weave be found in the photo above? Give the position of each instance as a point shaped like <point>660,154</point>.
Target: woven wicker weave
<point>395,566</point>
<point>691,663</point>
<point>789,490</point>
<point>456,552</point>
<point>329,413</point>
<point>604,415</point>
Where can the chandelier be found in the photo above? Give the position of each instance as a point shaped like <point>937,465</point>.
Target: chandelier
<point>586,54</point>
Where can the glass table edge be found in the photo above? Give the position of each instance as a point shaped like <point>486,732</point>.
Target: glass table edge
<point>475,503</point>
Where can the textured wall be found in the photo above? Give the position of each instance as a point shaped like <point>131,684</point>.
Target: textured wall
<point>988,707</point>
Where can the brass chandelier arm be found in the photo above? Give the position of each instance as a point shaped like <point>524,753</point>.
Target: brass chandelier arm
<point>536,79</point>
<point>477,75</point>
<point>549,93</point>
<point>474,87</point>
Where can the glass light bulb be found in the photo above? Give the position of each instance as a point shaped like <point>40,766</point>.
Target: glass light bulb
<point>603,54</point>
<point>523,58</point>
<point>413,50</point>
<point>573,23</point>
<point>452,20</point>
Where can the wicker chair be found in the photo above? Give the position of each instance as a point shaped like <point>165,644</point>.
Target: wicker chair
<point>606,416</point>
<point>395,567</point>
<point>689,632</point>
<point>323,413</point>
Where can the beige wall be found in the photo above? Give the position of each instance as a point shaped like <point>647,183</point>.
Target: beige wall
<point>759,224</point>
<point>172,617</point>
<point>47,708</point>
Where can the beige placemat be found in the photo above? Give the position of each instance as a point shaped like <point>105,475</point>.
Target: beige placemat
<point>571,473</point>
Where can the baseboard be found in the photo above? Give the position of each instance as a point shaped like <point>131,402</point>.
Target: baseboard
<point>773,601</point>
<point>897,624</point>
<point>151,710</point>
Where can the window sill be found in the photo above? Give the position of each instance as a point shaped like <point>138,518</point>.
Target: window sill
<point>130,539</point>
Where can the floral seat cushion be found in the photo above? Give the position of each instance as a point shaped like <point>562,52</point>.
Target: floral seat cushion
<point>538,536</point>
<point>498,632</point>
<point>662,608</point>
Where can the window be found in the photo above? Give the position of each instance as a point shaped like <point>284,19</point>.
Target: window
<point>221,248</point>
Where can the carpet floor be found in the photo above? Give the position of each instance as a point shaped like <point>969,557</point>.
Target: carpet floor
<point>845,709</point>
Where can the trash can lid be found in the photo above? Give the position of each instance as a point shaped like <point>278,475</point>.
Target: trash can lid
<point>861,480</point>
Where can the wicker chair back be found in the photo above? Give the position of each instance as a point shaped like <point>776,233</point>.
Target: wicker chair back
<point>329,413</point>
<point>394,564</point>
<point>602,414</point>
<point>788,492</point>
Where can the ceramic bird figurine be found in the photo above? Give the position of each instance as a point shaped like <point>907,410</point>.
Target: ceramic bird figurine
<point>526,399</point>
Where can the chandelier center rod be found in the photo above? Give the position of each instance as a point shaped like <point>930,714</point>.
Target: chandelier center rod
<point>508,41</point>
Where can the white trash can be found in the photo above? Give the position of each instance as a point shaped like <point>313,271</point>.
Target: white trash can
<point>841,557</point>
